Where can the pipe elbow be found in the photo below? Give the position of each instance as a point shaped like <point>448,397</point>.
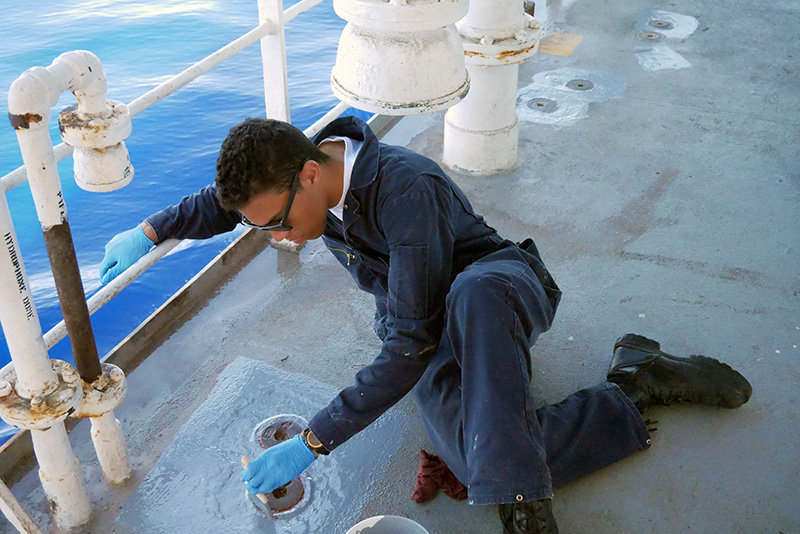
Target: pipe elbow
<point>31,95</point>
<point>83,74</point>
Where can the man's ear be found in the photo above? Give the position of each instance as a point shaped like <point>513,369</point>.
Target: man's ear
<point>310,173</point>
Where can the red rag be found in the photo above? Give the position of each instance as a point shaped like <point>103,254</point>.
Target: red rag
<point>434,475</point>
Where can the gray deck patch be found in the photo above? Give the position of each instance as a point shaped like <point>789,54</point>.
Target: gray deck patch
<point>195,487</point>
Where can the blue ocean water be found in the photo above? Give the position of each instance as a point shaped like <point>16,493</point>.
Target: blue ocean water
<point>174,143</point>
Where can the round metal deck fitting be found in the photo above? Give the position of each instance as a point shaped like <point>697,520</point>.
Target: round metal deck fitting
<point>543,105</point>
<point>662,24</point>
<point>293,496</point>
<point>650,36</point>
<point>580,85</point>
<point>277,431</point>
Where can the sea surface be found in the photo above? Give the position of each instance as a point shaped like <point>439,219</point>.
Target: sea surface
<point>174,143</point>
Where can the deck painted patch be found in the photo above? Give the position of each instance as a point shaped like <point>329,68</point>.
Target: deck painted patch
<point>559,44</point>
<point>556,97</point>
<point>195,487</point>
<point>662,57</point>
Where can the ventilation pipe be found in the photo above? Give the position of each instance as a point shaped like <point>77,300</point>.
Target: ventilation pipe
<point>400,57</point>
<point>481,133</point>
<point>96,128</point>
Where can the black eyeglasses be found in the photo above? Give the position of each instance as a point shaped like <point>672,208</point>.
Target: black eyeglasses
<point>281,226</point>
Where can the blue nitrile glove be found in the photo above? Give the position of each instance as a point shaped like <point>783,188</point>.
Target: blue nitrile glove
<point>122,251</point>
<point>278,465</point>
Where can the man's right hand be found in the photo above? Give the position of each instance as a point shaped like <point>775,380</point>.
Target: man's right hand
<point>122,251</point>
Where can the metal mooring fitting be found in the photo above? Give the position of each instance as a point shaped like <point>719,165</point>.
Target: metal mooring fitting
<point>101,159</point>
<point>400,58</point>
<point>104,394</point>
<point>42,411</point>
<point>293,496</point>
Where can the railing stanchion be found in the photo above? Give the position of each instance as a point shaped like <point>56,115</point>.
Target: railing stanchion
<point>273,58</point>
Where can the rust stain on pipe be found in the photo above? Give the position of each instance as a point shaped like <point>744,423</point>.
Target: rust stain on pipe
<point>72,298</point>
<point>20,122</point>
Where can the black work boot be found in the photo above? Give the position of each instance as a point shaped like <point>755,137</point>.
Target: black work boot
<point>532,517</point>
<point>649,376</point>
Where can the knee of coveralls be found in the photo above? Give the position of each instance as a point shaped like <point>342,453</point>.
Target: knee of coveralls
<point>494,309</point>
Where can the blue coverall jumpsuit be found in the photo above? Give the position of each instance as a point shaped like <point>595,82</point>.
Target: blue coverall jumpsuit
<point>458,308</point>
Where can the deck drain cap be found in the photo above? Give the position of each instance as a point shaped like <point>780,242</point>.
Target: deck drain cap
<point>269,433</point>
<point>650,36</point>
<point>662,24</point>
<point>543,105</point>
<point>580,85</point>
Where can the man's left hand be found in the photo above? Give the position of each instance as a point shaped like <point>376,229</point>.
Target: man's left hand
<point>278,465</point>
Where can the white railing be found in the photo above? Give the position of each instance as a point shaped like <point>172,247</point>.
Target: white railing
<point>62,151</point>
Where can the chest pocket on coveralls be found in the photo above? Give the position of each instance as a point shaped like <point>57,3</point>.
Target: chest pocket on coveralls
<point>408,282</point>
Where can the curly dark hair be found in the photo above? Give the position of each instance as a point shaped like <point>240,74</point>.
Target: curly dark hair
<point>259,156</point>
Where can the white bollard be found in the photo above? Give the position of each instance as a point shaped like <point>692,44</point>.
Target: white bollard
<point>481,133</point>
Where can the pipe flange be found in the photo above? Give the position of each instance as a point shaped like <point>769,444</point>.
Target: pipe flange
<point>40,412</point>
<point>104,394</point>
<point>489,51</point>
<point>82,130</point>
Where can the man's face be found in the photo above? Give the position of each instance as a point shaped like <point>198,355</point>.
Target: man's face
<point>307,213</point>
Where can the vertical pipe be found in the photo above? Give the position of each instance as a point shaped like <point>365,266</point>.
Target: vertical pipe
<point>35,376</point>
<point>37,153</point>
<point>61,477</point>
<point>109,443</point>
<point>273,58</point>
<point>59,472</point>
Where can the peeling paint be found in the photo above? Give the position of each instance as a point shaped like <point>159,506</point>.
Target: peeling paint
<point>20,122</point>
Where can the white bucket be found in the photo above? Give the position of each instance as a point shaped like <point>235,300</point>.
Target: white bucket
<point>387,524</point>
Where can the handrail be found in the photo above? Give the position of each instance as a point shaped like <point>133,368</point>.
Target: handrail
<point>62,151</point>
<point>106,293</point>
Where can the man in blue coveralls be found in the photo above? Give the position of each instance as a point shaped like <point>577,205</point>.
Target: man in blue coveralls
<point>458,308</point>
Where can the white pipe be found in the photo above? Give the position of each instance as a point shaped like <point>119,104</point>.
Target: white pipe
<point>20,174</point>
<point>199,68</point>
<point>107,292</point>
<point>299,7</point>
<point>273,59</point>
<point>61,477</point>
<point>15,513</point>
<point>107,435</point>
<point>18,316</point>
<point>323,121</point>
<point>481,133</point>
<point>30,97</point>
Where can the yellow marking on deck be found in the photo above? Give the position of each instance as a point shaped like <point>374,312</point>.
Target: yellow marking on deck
<point>559,44</point>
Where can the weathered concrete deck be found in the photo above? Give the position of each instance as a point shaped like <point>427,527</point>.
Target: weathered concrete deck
<point>665,203</point>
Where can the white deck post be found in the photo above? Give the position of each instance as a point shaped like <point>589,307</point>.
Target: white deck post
<point>481,133</point>
<point>273,57</point>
